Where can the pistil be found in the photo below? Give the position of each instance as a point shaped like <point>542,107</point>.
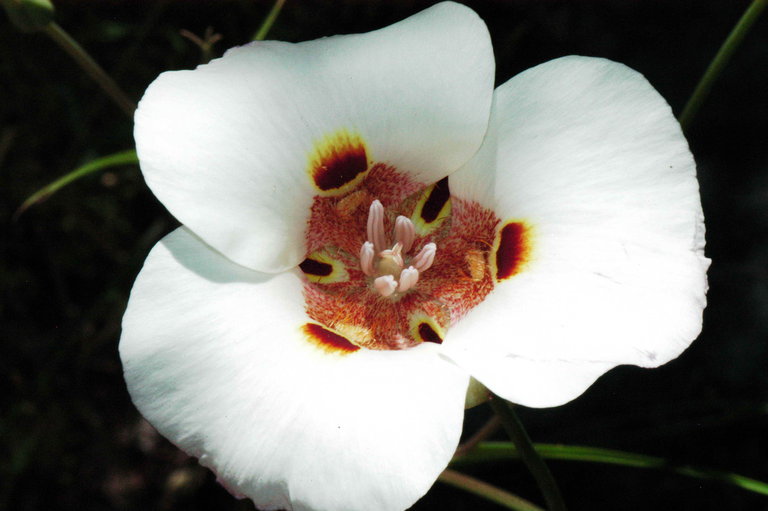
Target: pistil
<point>391,260</point>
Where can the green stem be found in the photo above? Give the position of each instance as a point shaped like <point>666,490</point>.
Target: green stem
<point>721,59</point>
<point>69,45</point>
<point>266,25</point>
<point>528,454</point>
<point>503,451</point>
<point>485,490</point>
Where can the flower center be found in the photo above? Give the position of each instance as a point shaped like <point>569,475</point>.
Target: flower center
<point>374,273</point>
<point>387,267</point>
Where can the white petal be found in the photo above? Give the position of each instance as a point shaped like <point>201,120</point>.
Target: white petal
<point>215,359</point>
<point>228,148</point>
<point>591,159</point>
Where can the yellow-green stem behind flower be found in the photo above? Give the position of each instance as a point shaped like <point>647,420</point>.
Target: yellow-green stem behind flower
<point>528,454</point>
<point>721,59</point>
<point>266,25</point>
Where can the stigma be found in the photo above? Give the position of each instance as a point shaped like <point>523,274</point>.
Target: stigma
<point>393,271</point>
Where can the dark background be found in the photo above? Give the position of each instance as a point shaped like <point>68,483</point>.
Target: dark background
<point>69,435</point>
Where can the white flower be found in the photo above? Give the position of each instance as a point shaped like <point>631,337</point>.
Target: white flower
<point>567,240</point>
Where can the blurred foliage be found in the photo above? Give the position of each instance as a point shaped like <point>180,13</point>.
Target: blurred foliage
<point>70,437</point>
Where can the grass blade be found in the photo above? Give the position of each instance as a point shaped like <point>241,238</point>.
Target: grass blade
<point>497,451</point>
<point>113,160</point>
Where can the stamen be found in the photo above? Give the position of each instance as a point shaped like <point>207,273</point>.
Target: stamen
<point>385,285</point>
<point>388,263</point>
<point>425,257</point>
<point>408,279</point>
<point>376,226</point>
<point>405,232</point>
<point>367,253</point>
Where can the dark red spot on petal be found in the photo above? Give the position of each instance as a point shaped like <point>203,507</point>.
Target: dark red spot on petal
<point>428,334</point>
<point>512,251</point>
<point>436,200</point>
<point>328,340</point>
<point>314,267</point>
<point>338,161</point>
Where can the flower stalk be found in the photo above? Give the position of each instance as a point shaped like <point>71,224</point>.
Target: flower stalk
<point>91,67</point>
<point>721,59</point>
<point>266,25</point>
<point>535,463</point>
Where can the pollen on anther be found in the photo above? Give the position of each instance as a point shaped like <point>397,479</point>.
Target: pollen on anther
<point>349,204</point>
<point>475,261</point>
<point>327,340</point>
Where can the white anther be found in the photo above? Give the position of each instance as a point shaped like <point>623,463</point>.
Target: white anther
<point>385,285</point>
<point>376,226</point>
<point>367,253</point>
<point>425,258</point>
<point>408,278</point>
<point>405,232</point>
